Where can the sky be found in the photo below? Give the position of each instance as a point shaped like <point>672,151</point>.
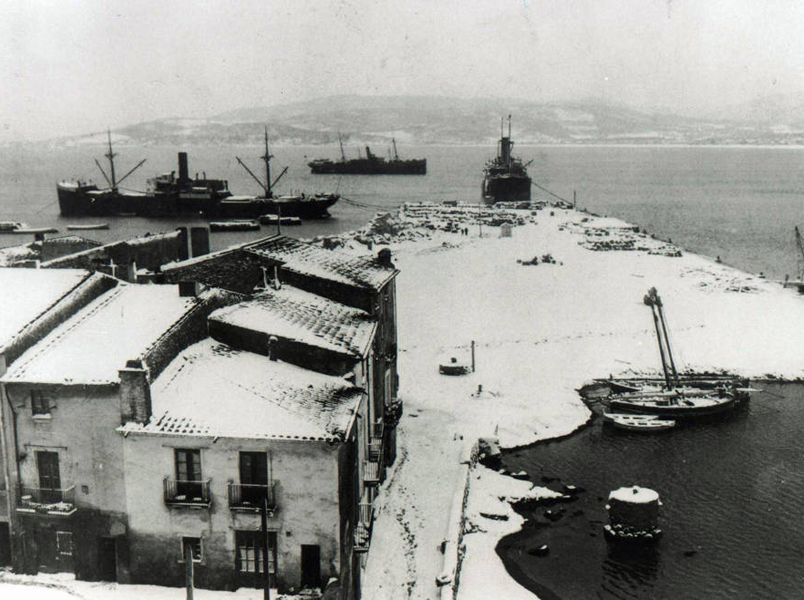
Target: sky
<point>73,66</point>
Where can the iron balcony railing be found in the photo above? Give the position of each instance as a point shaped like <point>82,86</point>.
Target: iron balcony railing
<point>246,496</point>
<point>52,501</point>
<point>371,472</point>
<point>375,440</point>
<point>193,493</point>
<point>365,521</point>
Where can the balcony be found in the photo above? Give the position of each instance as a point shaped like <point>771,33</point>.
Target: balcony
<point>47,501</point>
<point>187,493</point>
<point>249,497</point>
<point>371,473</point>
<point>365,521</point>
<point>376,430</point>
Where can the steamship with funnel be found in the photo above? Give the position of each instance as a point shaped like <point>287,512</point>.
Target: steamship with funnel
<point>506,177</point>
<point>370,165</point>
<point>172,195</point>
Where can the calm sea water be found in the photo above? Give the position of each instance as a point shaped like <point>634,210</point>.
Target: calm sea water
<point>732,493</point>
<point>737,203</point>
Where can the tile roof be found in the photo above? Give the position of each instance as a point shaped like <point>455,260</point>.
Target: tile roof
<point>309,259</point>
<point>27,293</point>
<point>92,345</point>
<point>296,315</point>
<point>211,389</point>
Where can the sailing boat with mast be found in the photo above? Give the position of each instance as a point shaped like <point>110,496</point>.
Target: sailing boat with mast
<point>676,398</point>
<point>79,198</point>
<point>304,206</point>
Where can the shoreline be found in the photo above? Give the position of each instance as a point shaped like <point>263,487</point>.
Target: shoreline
<point>541,332</point>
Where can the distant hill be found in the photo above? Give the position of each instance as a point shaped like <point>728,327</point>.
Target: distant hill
<point>442,120</point>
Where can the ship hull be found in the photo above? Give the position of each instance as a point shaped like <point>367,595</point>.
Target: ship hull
<point>304,207</point>
<point>78,201</point>
<point>369,167</point>
<point>506,188</point>
<point>88,200</point>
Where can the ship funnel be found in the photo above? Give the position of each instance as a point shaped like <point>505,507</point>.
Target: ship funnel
<point>184,174</point>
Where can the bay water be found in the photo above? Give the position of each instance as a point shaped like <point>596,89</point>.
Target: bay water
<point>733,490</point>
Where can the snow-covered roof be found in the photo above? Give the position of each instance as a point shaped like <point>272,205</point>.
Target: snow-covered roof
<point>634,495</point>
<point>211,389</point>
<point>296,315</point>
<point>92,345</point>
<point>27,293</point>
<point>309,259</point>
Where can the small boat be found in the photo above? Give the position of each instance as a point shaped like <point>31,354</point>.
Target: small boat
<point>677,399</point>
<point>234,225</point>
<point>644,423</point>
<point>35,230</point>
<point>271,219</point>
<point>88,227</point>
<point>9,226</point>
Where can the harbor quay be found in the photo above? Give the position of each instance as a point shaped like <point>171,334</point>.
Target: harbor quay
<point>526,302</point>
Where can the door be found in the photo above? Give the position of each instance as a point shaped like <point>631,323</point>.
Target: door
<point>47,464</point>
<point>310,566</point>
<point>107,559</point>
<point>253,476</point>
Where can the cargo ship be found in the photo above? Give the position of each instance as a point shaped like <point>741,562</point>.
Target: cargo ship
<point>304,206</point>
<point>81,198</point>
<point>506,177</point>
<point>170,194</point>
<point>370,165</point>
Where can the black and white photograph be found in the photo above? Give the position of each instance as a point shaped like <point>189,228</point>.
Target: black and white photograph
<point>401,300</point>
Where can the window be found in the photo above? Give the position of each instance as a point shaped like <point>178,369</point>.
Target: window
<point>250,548</point>
<point>40,403</point>
<point>193,544</point>
<point>64,543</point>
<point>188,473</point>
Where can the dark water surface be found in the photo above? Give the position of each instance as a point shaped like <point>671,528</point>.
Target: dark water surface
<point>733,506</point>
<point>736,203</point>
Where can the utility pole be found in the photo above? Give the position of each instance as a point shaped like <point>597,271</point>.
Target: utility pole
<point>264,528</point>
<point>188,567</point>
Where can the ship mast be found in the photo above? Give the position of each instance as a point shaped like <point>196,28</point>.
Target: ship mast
<point>268,185</point>
<point>396,155</point>
<point>110,155</point>
<point>113,182</point>
<point>267,158</point>
<point>340,142</point>
<point>668,364</point>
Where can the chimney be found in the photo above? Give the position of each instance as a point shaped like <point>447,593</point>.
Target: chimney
<point>184,174</point>
<point>199,241</point>
<point>384,258</point>
<point>131,272</point>
<point>135,393</point>
<point>181,251</point>
<point>189,289</point>
<point>273,342</point>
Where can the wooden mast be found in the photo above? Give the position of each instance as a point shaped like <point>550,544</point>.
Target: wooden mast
<point>110,155</point>
<point>650,299</point>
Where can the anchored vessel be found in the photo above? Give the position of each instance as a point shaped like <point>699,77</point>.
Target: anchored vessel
<point>304,206</point>
<point>370,165</point>
<point>79,198</point>
<point>677,399</point>
<point>170,194</point>
<point>506,178</point>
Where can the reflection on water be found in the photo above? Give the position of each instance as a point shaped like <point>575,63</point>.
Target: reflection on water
<point>732,492</point>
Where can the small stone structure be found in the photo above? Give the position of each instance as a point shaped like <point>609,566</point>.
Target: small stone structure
<point>633,514</point>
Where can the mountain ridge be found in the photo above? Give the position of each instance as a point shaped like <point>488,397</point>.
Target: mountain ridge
<point>423,120</point>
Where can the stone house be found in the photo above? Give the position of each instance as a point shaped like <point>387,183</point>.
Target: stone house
<point>32,304</point>
<point>62,401</point>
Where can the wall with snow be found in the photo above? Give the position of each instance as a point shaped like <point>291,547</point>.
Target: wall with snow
<point>307,480</point>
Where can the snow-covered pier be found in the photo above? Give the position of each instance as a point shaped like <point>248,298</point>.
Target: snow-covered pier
<point>542,329</point>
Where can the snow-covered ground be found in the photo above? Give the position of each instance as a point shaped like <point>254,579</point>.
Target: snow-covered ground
<point>541,331</point>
